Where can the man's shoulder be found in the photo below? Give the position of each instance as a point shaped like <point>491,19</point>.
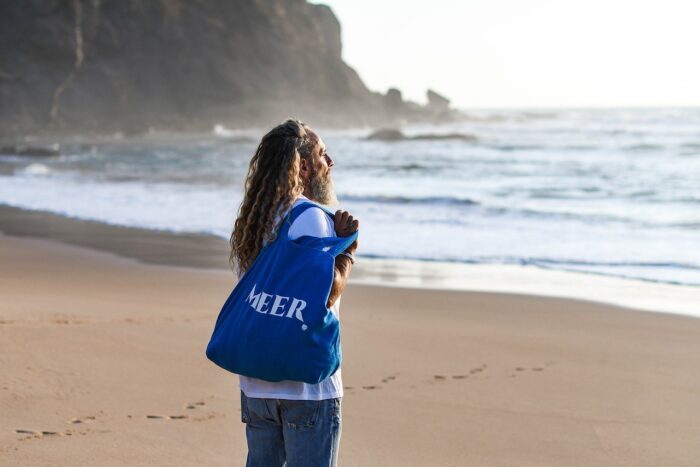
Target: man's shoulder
<point>314,222</point>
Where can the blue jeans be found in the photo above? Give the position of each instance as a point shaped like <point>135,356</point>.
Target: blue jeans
<point>302,433</point>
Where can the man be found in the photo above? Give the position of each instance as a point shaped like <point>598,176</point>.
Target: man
<point>291,421</point>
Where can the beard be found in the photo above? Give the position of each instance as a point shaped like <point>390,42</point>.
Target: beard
<point>322,188</point>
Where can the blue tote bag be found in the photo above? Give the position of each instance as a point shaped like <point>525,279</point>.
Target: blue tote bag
<point>275,324</point>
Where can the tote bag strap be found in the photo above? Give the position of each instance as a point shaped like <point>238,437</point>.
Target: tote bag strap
<point>332,245</point>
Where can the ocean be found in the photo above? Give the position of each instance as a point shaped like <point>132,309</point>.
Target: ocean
<point>604,191</point>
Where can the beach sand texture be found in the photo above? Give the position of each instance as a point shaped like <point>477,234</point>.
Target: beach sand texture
<point>103,364</point>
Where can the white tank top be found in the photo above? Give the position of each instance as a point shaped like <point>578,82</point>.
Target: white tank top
<point>316,223</point>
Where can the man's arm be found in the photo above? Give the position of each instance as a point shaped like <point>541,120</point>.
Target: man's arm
<point>345,225</point>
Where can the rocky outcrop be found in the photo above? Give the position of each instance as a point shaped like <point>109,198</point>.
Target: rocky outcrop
<point>393,102</point>
<point>437,102</point>
<point>130,65</point>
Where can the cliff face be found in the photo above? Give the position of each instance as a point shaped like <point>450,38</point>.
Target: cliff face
<point>118,65</point>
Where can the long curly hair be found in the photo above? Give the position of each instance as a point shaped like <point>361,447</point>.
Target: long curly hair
<point>272,185</point>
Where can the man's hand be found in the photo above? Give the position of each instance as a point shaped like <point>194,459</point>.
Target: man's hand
<point>346,225</point>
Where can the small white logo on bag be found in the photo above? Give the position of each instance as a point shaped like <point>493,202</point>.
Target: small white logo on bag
<point>280,305</point>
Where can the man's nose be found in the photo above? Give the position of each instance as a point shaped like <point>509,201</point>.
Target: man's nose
<point>330,161</point>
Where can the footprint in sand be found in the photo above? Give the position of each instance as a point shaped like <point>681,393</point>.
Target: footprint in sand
<point>75,421</point>
<point>194,405</point>
<point>40,433</point>
<point>389,378</point>
<point>167,417</point>
<point>66,321</point>
<point>534,368</point>
<point>370,387</point>
<point>461,376</point>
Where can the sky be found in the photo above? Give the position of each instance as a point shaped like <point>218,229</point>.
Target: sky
<point>527,53</point>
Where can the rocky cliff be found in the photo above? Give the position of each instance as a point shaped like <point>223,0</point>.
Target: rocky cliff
<point>89,66</point>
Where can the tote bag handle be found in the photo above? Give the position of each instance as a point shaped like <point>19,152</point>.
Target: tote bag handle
<point>331,245</point>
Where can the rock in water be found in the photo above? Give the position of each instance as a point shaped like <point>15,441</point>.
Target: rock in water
<point>29,151</point>
<point>387,134</point>
<point>440,136</point>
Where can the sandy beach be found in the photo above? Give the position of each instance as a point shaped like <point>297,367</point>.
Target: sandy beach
<point>103,364</point>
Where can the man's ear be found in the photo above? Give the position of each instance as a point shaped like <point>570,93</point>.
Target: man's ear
<point>303,167</point>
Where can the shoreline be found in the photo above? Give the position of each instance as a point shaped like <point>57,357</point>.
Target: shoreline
<point>203,251</point>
